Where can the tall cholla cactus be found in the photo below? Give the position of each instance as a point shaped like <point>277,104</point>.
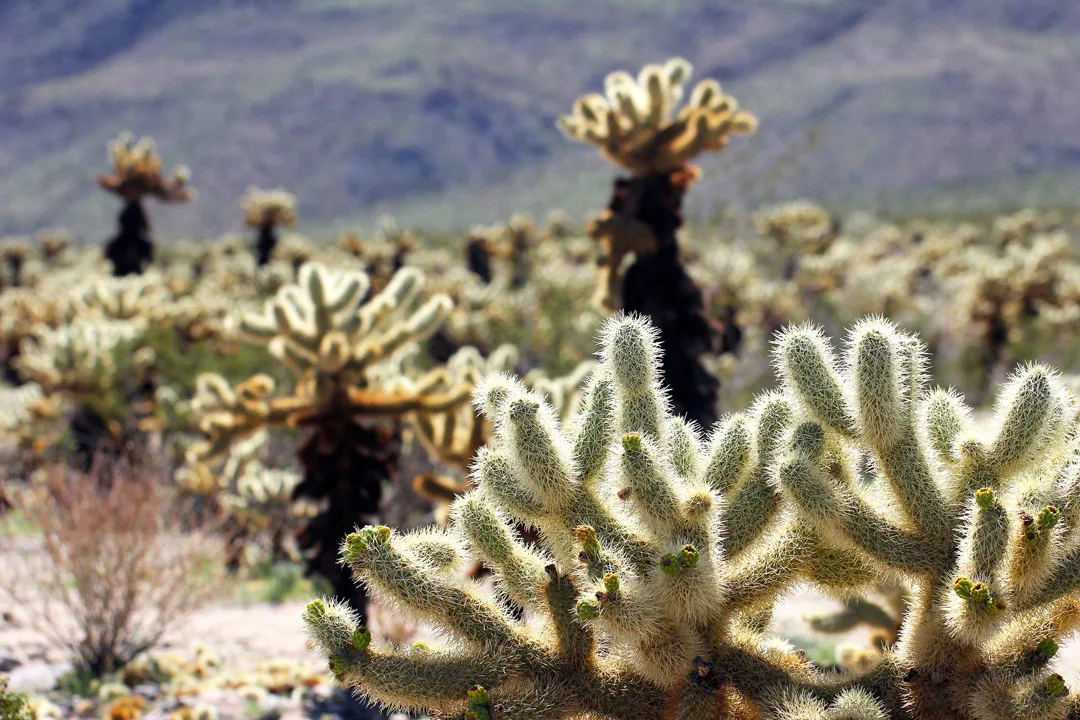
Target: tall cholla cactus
<point>338,345</point>
<point>639,126</point>
<point>662,554</point>
<point>137,173</point>
<point>265,210</point>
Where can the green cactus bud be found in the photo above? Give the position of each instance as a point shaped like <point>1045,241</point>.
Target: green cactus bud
<point>688,556</point>
<point>1048,517</point>
<point>1046,649</point>
<point>631,442</point>
<point>361,638</point>
<point>588,609</point>
<point>985,498</point>
<point>979,592</point>
<point>1055,687</point>
<point>995,605</point>
<point>962,586</point>
<point>477,695</point>
<point>611,583</point>
<point>670,564</point>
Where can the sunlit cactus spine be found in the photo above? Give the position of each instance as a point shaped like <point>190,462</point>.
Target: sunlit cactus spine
<point>641,125</point>
<point>266,210</point>
<point>136,174</point>
<point>350,395</point>
<point>662,553</point>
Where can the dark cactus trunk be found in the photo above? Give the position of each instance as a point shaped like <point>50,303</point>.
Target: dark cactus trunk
<point>658,286</point>
<point>478,259</point>
<point>15,265</point>
<point>131,250</point>
<point>345,465</point>
<point>265,244</point>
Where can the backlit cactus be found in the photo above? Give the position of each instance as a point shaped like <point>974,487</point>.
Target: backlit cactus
<point>137,173</point>
<point>265,210</point>
<point>639,125</point>
<point>662,553</point>
<point>349,394</point>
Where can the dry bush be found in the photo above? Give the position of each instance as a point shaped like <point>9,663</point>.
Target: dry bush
<point>120,562</point>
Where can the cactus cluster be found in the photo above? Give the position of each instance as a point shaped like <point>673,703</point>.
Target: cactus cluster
<point>663,552</point>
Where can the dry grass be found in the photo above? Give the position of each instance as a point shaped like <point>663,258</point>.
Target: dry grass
<point>122,559</point>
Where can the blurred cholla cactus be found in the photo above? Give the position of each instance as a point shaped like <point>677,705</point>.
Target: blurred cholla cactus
<point>558,225</point>
<point>295,250</point>
<point>337,344</point>
<point>265,210</point>
<point>639,126</point>
<point>661,553</point>
<point>14,253</point>
<point>53,243</point>
<point>28,417</point>
<point>74,365</point>
<point>75,358</point>
<point>135,299</point>
<point>799,228</point>
<point>881,611</point>
<point>1007,300</point>
<point>137,173</point>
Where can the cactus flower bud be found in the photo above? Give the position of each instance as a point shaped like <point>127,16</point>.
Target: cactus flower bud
<point>688,556</point>
<point>361,638</point>
<point>962,586</point>
<point>1046,649</point>
<point>985,498</point>
<point>611,583</point>
<point>588,609</point>
<point>1055,686</point>
<point>1048,517</point>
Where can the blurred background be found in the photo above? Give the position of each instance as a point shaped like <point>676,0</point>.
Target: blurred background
<point>443,113</point>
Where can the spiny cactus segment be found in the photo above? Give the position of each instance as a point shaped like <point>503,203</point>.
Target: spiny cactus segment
<point>660,549</point>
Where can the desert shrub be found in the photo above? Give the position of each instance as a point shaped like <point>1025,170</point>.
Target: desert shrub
<point>13,705</point>
<point>119,564</point>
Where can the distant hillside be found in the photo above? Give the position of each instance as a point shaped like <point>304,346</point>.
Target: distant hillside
<point>443,111</point>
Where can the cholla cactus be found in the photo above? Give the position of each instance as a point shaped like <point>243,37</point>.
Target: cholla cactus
<point>639,126</point>
<point>662,554</point>
<point>265,210</point>
<point>74,365</point>
<point>13,254</point>
<point>340,347</point>
<point>53,243</point>
<point>137,173</point>
<point>798,228</point>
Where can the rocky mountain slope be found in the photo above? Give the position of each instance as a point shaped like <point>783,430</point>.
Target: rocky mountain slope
<point>443,111</point>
